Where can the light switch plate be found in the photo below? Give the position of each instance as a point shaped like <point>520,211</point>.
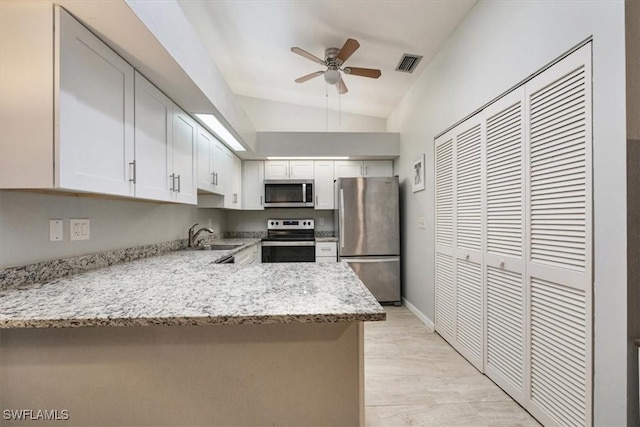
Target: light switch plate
<point>56,230</point>
<point>321,221</point>
<point>79,229</point>
<point>421,222</point>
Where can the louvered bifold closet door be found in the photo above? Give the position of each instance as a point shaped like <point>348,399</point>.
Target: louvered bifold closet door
<point>445,292</point>
<point>504,254</point>
<point>468,215</point>
<point>559,226</point>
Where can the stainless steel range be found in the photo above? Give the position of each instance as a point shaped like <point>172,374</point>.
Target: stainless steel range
<point>289,240</point>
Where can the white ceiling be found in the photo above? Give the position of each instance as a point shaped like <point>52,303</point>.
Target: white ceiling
<point>250,41</point>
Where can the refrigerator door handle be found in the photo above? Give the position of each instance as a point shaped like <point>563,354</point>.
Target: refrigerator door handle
<point>369,260</point>
<point>341,225</point>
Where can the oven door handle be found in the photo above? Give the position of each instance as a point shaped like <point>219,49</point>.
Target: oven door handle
<point>290,243</point>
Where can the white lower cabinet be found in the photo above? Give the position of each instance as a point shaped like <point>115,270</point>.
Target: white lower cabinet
<point>326,252</point>
<point>250,255</point>
<point>514,237</point>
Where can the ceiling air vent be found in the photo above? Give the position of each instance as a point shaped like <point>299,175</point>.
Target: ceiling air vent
<point>408,63</point>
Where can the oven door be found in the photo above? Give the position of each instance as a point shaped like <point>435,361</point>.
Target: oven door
<point>276,251</point>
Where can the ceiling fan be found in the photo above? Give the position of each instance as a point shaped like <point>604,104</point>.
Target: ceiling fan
<point>334,58</point>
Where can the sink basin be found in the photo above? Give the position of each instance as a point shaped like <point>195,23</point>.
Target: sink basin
<point>214,247</point>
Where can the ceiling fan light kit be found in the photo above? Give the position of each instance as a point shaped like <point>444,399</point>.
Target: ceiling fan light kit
<point>333,60</point>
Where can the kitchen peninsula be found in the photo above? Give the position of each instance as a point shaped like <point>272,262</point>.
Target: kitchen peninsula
<point>179,340</point>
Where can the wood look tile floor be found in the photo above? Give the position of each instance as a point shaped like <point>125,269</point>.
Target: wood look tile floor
<point>414,378</point>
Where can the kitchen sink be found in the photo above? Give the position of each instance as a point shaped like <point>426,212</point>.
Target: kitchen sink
<point>214,247</point>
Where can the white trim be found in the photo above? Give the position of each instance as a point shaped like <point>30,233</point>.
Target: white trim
<point>420,315</point>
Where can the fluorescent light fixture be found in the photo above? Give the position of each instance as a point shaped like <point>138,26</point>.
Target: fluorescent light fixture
<point>221,131</point>
<point>307,158</point>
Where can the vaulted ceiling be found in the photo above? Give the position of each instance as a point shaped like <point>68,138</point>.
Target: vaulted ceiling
<point>250,42</point>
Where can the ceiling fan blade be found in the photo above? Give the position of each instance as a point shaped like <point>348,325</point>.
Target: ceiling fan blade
<point>350,46</point>
<point>309,76</point>
<point>364,72</point>
<point>341,87</point>
<point>307,55</point>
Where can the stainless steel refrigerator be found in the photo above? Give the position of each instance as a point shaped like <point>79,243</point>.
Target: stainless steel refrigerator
<point>367,222</point>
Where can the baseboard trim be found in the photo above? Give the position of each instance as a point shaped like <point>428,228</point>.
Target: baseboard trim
<point>420,315</point>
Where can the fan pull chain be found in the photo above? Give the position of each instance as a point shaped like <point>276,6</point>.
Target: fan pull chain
<point>326,103</point>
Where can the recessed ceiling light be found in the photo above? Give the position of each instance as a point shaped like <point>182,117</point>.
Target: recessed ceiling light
<point>220,131</point>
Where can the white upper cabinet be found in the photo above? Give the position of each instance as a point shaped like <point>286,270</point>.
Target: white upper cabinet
<point>381,168</point>
<point>106,135</point>
<point>348,169</point>
<point>253,185</point>
<point>323,181</point>
<point>288,169</point>
<point>236,194</point>
<point>358,168</point>
<point>153,147</point>
<point>73,95</point>
<point>165,147</point>
<point>184,164</point>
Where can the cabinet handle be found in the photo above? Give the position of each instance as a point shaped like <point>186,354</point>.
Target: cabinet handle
<point>133,171</point>
<point>260,200</point>
<point>361,170</point>
<point>216,178</point>
<point>213,178</point>
<point>366,170</point>
<point>316,200</point>
<point>178,190</point>
<point>172,187</point>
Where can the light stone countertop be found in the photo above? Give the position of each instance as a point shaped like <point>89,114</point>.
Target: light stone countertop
<point>188,288</point>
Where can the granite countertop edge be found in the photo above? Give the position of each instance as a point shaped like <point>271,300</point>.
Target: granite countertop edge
<point>190,321</point>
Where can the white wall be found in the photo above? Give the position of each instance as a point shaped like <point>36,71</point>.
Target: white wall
<point>267,115</point>
<point>115,224</point>
<point>499,44</point>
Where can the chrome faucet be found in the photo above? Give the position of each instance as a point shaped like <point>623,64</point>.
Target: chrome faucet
<point>193,236</point>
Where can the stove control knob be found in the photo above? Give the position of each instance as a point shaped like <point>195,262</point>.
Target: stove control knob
<point>271,222</point>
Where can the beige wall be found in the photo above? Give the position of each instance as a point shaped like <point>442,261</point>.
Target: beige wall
<point>262,375</point>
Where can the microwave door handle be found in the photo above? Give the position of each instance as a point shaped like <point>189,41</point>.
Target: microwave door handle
<point>304,193</point>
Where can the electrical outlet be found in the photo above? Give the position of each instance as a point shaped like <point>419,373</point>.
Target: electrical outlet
<point>55,230</point>
<point>421,222</point>
<point>321,221</point>
<point>80,229</point>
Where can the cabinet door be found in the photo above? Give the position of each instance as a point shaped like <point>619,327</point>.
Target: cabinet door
<point>348,169</point>
<point>184,158</point>
<point>206,177</point>
<point>323,181</point>
<point>220,160</point>
<point>252,185</point>
<point>153,123</point>
<point>382,168</point>
<point>226,174</point>
<point>95,140</point>
<point>301,169</point>
<point>237,183</point>
<point>276,169</point>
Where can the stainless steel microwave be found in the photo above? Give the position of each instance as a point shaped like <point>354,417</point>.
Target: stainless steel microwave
<point>288,193</point>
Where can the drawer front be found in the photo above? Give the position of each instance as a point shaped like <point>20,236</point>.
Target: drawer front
<point>326,249</point>
<point>326,259</point>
